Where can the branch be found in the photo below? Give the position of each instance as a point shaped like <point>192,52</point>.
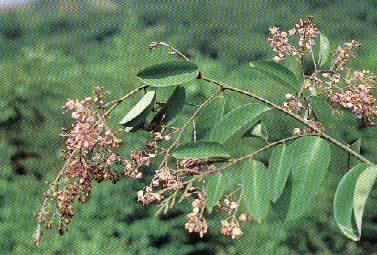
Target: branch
<point>52,188</point>
<point>164,103</point>
<point>297,117</point>
<point>171,48</point>
<point>255,153</point>
<point>233,162</point>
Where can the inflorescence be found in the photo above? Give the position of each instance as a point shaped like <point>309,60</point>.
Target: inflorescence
<point>341,85</point>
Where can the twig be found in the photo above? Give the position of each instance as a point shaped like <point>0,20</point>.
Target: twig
<point>320,132</point>
<point>233,162</point>
<point>164,103</point>
<point>255,153</point>
<point>52,188</point>
<point>174,50</point>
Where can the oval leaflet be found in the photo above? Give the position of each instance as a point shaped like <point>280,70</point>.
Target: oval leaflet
<point>138,113</point>
<point>169,73</point>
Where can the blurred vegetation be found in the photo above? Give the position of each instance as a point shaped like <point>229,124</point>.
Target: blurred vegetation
<point>49,55</point>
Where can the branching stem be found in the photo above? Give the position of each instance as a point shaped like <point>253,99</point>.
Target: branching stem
<point>286,112</point>
<point>236,161</point>
<point>174,50</point>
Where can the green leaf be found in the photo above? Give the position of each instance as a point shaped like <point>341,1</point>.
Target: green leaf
<point>237,120</point>
<point>138,113</point>
<point>172,108</point>
<point>350,198</point>
<point>324,49</point>
<point>279,73</point>
<point>355,146</point>
<point>213,113</point>
<point>309,167</point>
<point>169,73</point>
<point>256,189</point>
<point>215,189</point>
<point>295,66</point>
<point>280,167</point>
<point>363,188</point>
<point>281,206</point>
<point>278,126</point>
<point>201,150</point>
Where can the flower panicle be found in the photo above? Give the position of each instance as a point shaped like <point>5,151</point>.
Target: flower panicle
<point>90,152</point>
<point>281,41</point>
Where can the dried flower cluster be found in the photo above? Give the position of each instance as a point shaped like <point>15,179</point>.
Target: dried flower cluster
<point>279,41</point>
<point>140,159</point>
<point>230,226</point>
<point>351,90</point>
<point>357,96</point>
<point>167,184</point>
<point>163,178</point>
<point>305,30</point>
<point>231,229</point>
<point>90,153</point>
<point>343,54</point>
<point>148,196</point>
<point>229,206</point>
<point>192,166</point>
<point>293,104</point>
<point>342,86</point>
<point>196,222</point>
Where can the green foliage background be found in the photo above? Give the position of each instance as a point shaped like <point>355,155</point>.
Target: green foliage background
<point>49,55</point>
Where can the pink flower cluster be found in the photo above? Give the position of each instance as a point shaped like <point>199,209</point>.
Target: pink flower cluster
<point>306,31</point>
<point>353,92</point>
<point>148,197</point>
<point>358,96</point>
<point>90,153</point>
<point>279,42</point>
<point>343,55</point>
<point>231,229</point>
<point>140,159</point>
<point>89,129</point>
